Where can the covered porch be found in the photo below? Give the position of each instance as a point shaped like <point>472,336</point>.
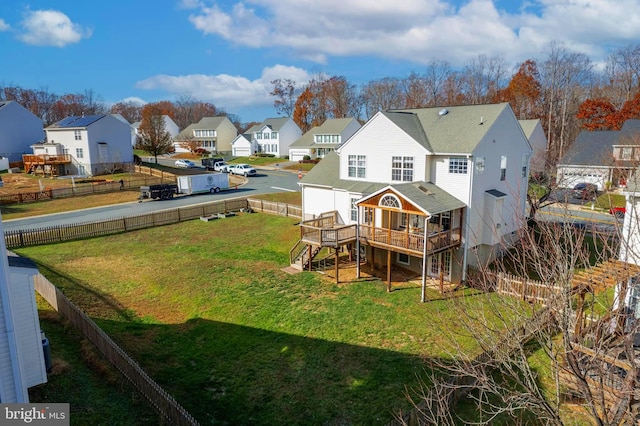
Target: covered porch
<point>413,220</point>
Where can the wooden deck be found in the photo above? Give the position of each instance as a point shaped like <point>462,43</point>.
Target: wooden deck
<point>411,243</point>
<point>45,163</point>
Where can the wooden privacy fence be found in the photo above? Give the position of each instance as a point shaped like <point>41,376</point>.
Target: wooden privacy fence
<point>280,209</point>
<point>82,189</point>
<point>165,404</point>
<point>57,234</point>
<point>511,285</point>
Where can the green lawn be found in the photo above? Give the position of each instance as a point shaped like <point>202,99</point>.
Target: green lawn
<point>206,310</point>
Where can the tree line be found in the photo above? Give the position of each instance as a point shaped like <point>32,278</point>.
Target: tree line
<point>564,90</point>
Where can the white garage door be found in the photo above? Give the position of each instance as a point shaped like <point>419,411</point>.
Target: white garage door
<point>241,152</point>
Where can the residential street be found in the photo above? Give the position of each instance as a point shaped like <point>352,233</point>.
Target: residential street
<point>266,181</point>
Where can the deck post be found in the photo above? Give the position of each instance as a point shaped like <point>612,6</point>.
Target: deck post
<point>424,262</point>
<point>388,270</point>
<point>358,242</point>
<point>337,279</point>
<point>310,260</point>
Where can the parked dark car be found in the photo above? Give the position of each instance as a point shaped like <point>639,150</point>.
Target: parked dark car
<point>585,191</point>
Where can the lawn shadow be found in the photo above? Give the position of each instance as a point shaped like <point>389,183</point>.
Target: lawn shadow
<point>232,374</point>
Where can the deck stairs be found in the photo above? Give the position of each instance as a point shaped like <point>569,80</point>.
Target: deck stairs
<point>299,254</point>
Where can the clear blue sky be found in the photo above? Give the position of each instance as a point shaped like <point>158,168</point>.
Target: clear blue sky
<point>227,52</point>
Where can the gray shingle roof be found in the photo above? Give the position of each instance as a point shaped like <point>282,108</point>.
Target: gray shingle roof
<point>75,121</point>
<point>428,196</point>
<point>591,149</point>
<point>333,126</point>
<point>458,131</point>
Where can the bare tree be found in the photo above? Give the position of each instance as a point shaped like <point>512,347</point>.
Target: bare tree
<point>285,94</point>
<point>381,95</point>
<point>482,79</point>
<point>578,346</point>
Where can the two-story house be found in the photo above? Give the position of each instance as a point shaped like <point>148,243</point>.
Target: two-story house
<point>601,157</point>
<point>19,129</point>
<point>320,140</point>
<point>213,134</point>
<point>22,361</point>
<point>538,140</point>
<point>272,136</point>
<point>430,190</point>
<point>82,145</point>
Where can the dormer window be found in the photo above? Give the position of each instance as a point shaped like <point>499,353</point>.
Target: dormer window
<point>625,153</point>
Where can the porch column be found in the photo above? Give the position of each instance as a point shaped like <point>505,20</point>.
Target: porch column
<point>389,270</point>
<point>358,242</point>
<point>424,263</point>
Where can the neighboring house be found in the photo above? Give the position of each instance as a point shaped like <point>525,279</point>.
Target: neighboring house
<point>602,157</point>
<point>243,145</point>
<point>213,134</point>
<point>133,130</point>
<point>19,129</point>
<point>82,145</point>
<point>272,136</point>
<point>22,363</point>
<point>447,185</point>
<point>169,126</point>
<point>321,140</point>
<point>538,140</point>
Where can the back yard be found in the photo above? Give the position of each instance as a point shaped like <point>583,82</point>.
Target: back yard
<point>207,311</point>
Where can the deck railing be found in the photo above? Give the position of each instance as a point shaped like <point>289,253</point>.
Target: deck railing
<point>410,240</point>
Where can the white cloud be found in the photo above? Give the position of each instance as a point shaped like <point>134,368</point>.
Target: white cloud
<point>4,26</point>
<point>51,28</point>
<point>133,100</point>
<point>419,30</point>
<point>223,90</point>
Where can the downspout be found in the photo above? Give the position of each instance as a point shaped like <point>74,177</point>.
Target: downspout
<point>466,225</point>
<point>424,260</point>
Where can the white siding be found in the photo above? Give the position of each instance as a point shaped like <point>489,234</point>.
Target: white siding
<point>288,134</point>
<point>505,138</point>
<point>379,140</point>
<point>27,326</point>
<point>455,184</point>
<point>569,176</point>
<point>630,252</point>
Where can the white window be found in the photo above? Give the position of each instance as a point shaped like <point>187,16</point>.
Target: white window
<point>358,166</point>
<point>354,209</point>
<point>458,165</point>
<point>77,135</point>
<point>274,135</point>
<point>438,260</point>
<point>79,153</point>
<point>479,165</point>
<point>503,167</point>
<point>525,160</point>
<point>402,169</point>
<point>258,135</point>
<point>626,153</point>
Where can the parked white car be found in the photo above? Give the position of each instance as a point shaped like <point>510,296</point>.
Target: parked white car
<point>242,169</point>
<point>221,166</point>
<point>187,164</point>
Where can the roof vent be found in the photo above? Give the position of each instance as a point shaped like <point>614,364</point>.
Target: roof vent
<point>481,120</point>
<point>443,111</point>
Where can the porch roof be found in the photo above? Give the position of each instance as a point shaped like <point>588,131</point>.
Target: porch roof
<point>425,196</point>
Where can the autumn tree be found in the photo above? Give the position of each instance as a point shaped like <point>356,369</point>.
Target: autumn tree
<point>598,114</point>
<point>415,93</point>
<point>285,93</point>
<point>152,134</point>
<point>303,112</point>
<point>523,91</point>
<point>188,110</point>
